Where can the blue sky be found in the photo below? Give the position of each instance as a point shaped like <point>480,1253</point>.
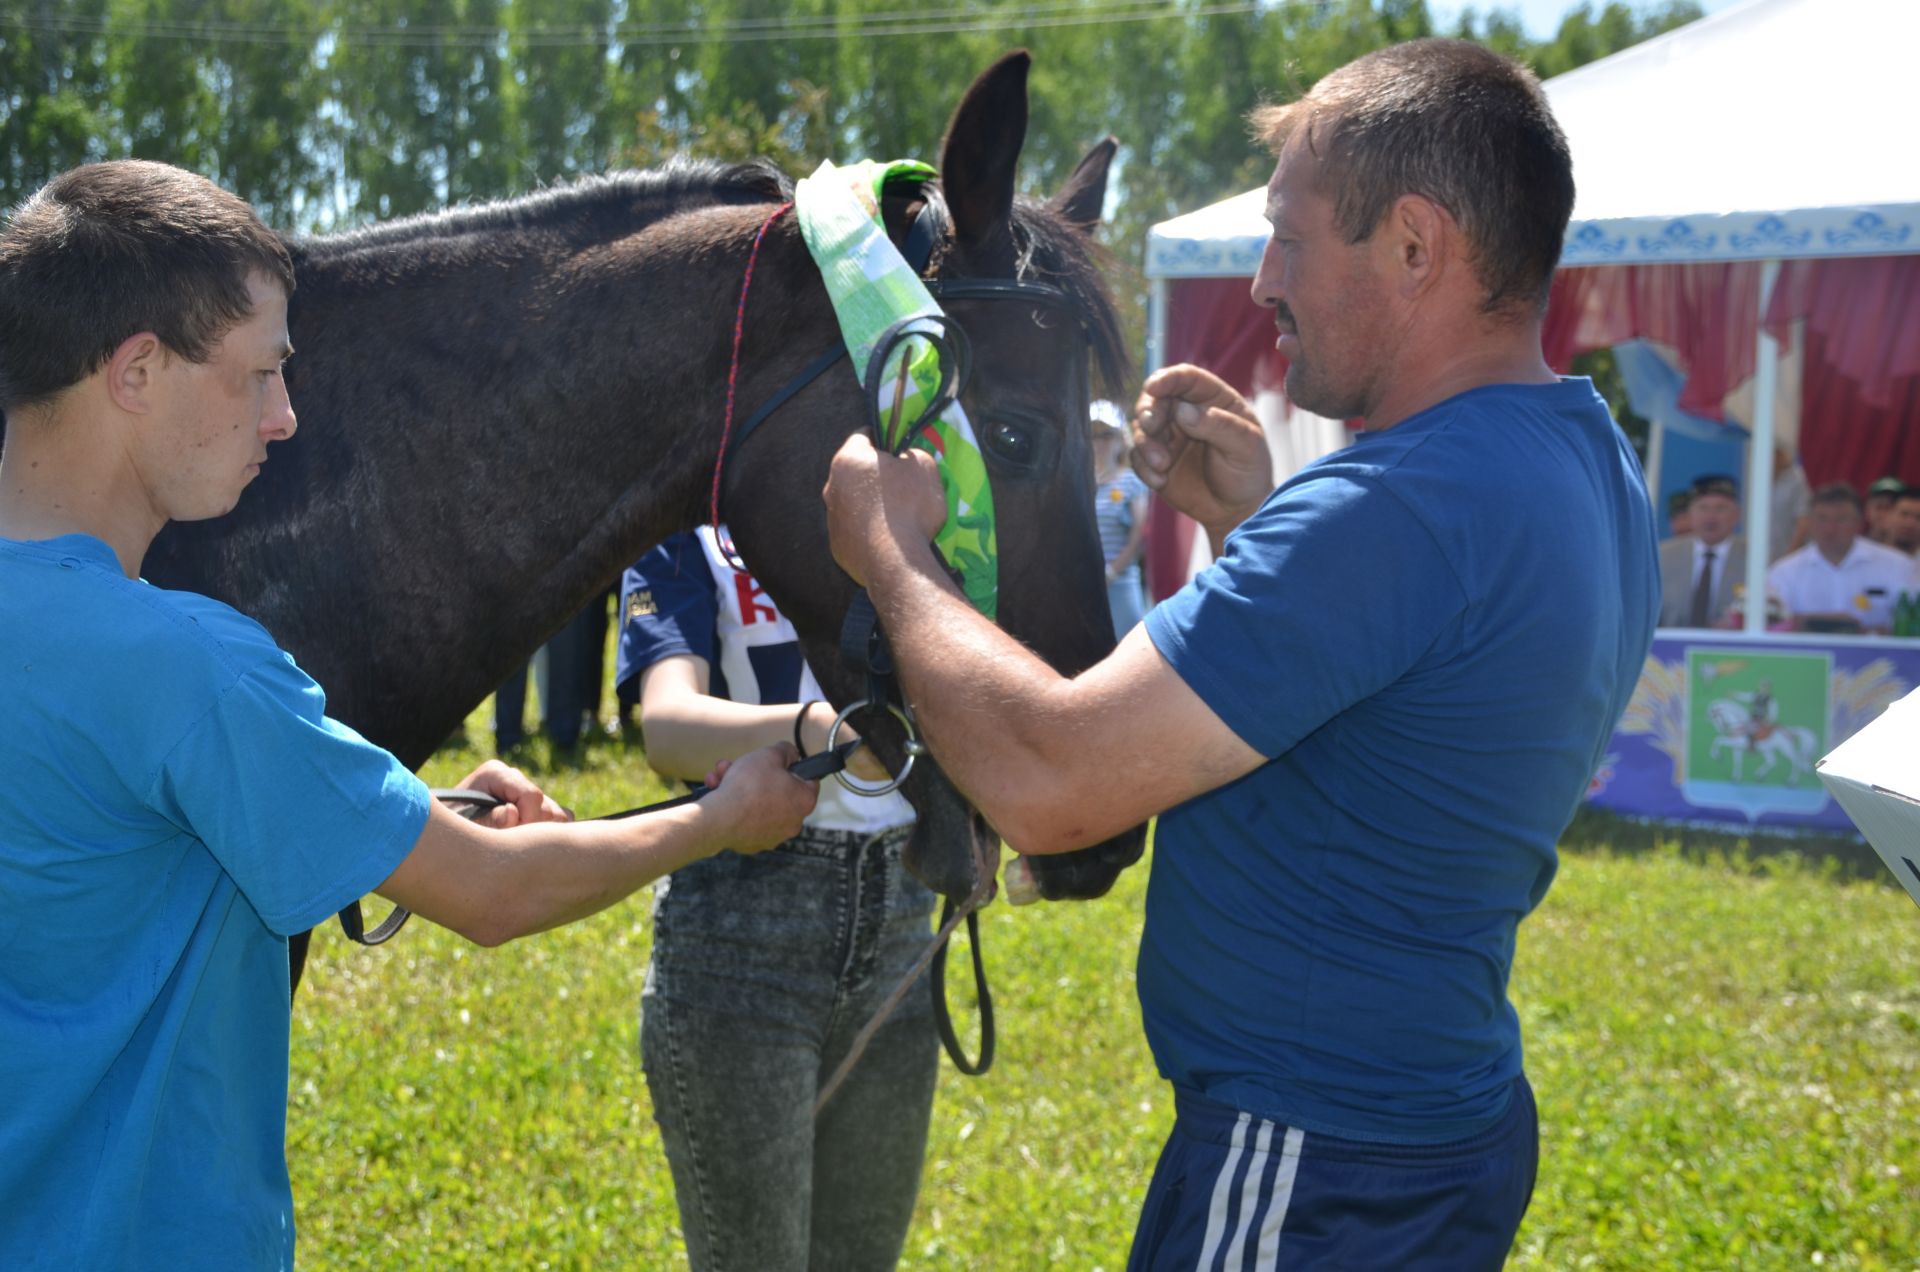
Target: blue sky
<point>1541,18</point>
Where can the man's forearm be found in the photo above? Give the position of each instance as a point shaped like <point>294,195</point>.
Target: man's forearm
<point>494,885</point>
<point>991,710</point>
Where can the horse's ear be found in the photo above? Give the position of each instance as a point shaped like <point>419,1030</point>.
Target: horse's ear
<point>1085,193</point>
<point>982,147</point>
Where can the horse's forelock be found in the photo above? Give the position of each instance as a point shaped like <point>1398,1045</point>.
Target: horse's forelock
<point>1066,256</point>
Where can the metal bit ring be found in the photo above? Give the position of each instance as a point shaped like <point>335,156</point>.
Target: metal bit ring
<point>915,748</point>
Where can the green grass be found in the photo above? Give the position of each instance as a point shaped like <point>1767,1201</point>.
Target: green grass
<point>1724,1038</point>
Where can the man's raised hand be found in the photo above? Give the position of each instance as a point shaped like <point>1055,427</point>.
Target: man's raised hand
<point>1198,444</point>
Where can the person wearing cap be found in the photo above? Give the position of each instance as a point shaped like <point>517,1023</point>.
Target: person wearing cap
<point>1120,511</point>
<point>1881,497</point>
<point>1840,580</point>
<point>1700,573</point>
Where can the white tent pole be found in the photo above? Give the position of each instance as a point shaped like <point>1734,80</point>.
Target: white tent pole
<point>1156,325</point>
<point>1766,371</point>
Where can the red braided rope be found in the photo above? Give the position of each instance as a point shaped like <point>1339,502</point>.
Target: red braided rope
<point>733,367</point>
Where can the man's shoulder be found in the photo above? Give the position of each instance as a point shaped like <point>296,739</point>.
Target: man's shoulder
<point>1866,551</point>
<point>193,626</point>
<point>1678,548</point>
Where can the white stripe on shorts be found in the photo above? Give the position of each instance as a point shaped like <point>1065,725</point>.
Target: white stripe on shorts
<point>1249,1197</point>
<point>1222,1188</point>
<point>1267,1253</point>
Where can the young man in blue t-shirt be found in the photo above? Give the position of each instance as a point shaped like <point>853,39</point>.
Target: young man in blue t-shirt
<point>1369,721</point>
<point>177,801</point>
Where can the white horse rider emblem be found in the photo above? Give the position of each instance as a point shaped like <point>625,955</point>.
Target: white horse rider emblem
<point>1751,727</point>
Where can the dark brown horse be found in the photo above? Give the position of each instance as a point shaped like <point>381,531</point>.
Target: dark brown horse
<point>501,407</point>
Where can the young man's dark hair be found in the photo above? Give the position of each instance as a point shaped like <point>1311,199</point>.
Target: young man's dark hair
<point>111,249</point>
<point>1457,124</point>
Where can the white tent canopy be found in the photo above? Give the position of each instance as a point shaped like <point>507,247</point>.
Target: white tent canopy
<point>1769,131</point>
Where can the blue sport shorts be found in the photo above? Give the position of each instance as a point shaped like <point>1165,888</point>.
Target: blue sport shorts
<point>1235,1193</point>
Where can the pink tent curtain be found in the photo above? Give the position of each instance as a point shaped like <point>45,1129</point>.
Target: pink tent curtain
<point>1861,373</point>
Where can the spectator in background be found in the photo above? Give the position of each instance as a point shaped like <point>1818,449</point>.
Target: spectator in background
<point>1679,519</point>
<point>1120,511</point>
<point>1840,581</point>
<point>1791,499</point>
<point>1881,497</point>
<point>1698,574</point>
<point>1903,526</point>
<point>570,674</point>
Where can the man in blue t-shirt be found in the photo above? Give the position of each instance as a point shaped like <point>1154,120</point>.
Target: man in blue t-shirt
<point>177,801</point>
<point>1368,722</point>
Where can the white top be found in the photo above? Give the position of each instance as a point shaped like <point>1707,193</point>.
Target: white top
<point>1866,583</point>
<point>747,622</point>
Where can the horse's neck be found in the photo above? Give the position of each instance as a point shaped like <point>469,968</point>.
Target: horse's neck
<point>482,449</point>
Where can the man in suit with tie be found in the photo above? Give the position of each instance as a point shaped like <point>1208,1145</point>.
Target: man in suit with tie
<point>1698,572</point>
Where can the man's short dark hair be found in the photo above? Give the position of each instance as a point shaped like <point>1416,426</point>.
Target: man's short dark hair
<point>109,250</point>
<point>1454,123</point>
<point>1837,492</point>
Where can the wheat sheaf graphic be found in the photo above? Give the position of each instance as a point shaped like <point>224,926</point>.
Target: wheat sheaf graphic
<point>1659,706</point>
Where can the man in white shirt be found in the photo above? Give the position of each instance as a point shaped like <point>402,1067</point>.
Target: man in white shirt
<point>1698,574</point>
<point>1840,577</point>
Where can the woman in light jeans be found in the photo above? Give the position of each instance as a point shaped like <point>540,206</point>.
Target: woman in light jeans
<point>765,967</point>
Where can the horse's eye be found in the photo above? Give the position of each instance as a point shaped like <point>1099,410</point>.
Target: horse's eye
<point>1010,442</point>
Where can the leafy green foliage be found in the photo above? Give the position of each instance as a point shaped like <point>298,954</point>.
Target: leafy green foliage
<point>329,113</point>
<point>1725,1043</point>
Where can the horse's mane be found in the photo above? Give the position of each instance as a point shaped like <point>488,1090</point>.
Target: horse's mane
<point>1050,249</point>
<point>611,198</point>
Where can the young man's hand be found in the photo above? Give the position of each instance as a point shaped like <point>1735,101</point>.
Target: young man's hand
<point>523,802</point>
<point>759,803</point>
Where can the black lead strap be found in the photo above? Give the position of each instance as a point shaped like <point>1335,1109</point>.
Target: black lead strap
<point>471,804</point>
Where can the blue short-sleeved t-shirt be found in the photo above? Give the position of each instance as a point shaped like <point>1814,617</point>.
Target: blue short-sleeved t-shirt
<point>1431,635</point>
<point>176,804</point>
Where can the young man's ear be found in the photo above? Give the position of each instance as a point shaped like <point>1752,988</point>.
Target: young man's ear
<point>132,371</point>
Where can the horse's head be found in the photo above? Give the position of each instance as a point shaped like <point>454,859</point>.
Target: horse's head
<point>1028,401</point>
